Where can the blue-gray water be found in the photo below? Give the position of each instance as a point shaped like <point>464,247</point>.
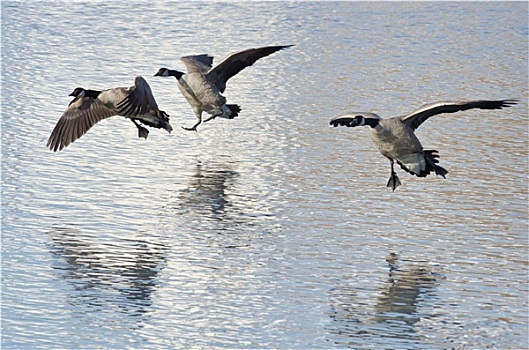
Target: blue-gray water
<point>271,230</point>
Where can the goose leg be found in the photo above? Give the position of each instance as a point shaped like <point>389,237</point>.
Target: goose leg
<point>194,127</point>
<point>142,132</point>
<point>212,117</point>
<point>394,180</point>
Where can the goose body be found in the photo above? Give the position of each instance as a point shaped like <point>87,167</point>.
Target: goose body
<point>91,106</point>
<point>203,96</point>
<point>396,140</point>
<point>203,85</point>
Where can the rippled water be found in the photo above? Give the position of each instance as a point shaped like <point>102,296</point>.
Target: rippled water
<point>271,230</point>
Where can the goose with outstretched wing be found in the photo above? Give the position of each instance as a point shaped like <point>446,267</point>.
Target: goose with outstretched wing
<point>203,84</point>
<point>88,107</point>
<point>396,139</point>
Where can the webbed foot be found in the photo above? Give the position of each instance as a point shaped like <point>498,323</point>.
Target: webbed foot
<point>193,128</point>
<point>142,132</point>
<point>394,181</point>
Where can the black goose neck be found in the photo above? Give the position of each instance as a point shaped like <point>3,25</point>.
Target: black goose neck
<point>175,73</point>
<point>92,93</point>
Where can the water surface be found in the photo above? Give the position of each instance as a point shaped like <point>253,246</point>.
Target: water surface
<point>271,230</point>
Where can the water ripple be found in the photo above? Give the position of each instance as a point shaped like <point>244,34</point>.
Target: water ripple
<point>271,230</point>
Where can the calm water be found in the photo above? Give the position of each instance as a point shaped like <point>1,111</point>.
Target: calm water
<point>271,230</point>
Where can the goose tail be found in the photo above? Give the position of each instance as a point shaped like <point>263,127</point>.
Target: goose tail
<point>234,110</point>
<point>422,164</point>
<point>430,156</point>
<point>158,119</point>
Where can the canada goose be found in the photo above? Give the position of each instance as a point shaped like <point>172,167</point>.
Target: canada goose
<point>396,139</point>
<point>203,84</point>
<point>90,106</point>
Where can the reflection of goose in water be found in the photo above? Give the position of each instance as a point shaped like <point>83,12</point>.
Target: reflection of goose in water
<point>395,310</point>
<point>407,287</point>
<point>206,193</point>
<point>98,270</point>
<point>215,200</point>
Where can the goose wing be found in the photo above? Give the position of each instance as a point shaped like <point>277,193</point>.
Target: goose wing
<point>77,119</point>
<point>236,62</point>
<point>198,63</point>
<point>139,100</point>
<point>416,118</point>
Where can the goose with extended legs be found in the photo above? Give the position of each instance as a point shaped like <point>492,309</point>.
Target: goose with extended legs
<point>396,139</point>
<point>203,84</point>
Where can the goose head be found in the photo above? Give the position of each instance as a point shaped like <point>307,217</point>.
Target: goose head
<point>162,72</point>
<point>78,92</point>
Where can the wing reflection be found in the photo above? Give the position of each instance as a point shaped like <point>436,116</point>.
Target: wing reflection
<point>395,310</point>
<point>104,276</point>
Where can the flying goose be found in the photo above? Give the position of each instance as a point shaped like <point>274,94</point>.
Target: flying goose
<point>203,84</point>
<point>90,106</point>
<point>396,139</point>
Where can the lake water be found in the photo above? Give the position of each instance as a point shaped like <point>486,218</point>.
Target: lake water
<point>271,230</point>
